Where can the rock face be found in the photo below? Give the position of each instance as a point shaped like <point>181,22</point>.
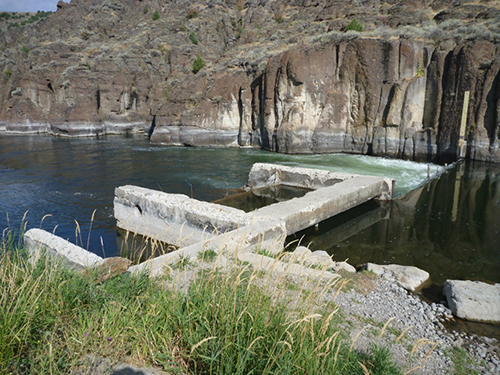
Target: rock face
<point>473,300</point>
<point>281,75</point>
<point>408,277</point>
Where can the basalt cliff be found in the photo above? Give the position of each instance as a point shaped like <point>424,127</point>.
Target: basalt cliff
<point>287,76</point>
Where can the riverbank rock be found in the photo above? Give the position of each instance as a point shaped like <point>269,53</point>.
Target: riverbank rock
<point>317,258</point>
<point>343,266</point>
<point>109,268</point>
<point>409,277</point>
<point>473,300</point>
<point>281,75</point>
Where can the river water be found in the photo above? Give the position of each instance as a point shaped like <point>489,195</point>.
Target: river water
<point>449,227</point>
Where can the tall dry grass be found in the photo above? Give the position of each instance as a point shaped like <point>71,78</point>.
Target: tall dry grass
<point>232,321</point>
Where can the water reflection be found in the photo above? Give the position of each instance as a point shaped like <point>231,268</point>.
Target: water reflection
<point>449,227</point>
<point>258,198</point>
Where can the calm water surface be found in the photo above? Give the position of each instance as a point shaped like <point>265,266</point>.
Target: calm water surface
<point>449,227</point>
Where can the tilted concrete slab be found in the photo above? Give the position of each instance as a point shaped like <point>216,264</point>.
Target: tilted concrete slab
<point>268,264</point>
<point>269,235</point>
<point>39,241</point>
<point>173,218</point>
<point>321,204</point>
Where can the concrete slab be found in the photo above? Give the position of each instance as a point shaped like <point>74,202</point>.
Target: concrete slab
<point>268,264</point>
<point>197,226</point>
<point>264,174</point>
<point>321,204</point>
<point>173,218</point>
<point>39,241</point>
<point>269,235</point>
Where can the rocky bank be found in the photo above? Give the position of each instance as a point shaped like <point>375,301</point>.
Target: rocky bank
<point>280,75</point>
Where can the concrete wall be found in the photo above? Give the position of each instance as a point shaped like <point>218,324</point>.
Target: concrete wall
<point>173,218</point>
<point>263,174</point>
<point>321,204</point>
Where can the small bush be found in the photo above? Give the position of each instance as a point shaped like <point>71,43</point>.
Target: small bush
<point>198,64</point>
<point>156,15</point>
<point>191,13</point>
<point>25,49</point>
<point>193,38</point>
<point>146,9</point>
<point>420,71</point>
<point>354,25</point>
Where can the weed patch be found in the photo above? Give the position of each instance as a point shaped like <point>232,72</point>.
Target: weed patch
<point>225,323</point>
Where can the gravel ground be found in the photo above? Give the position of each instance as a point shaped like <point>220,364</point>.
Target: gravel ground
<point>370,306</point>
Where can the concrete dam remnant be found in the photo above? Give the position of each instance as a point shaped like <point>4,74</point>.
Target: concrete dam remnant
<point>194,225</point>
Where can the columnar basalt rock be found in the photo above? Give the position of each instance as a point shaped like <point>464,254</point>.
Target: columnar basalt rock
<point>278,75</point>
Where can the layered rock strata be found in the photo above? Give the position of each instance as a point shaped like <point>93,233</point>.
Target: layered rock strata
<point>283,76</point>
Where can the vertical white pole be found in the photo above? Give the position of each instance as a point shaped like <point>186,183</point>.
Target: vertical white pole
<point>462,143</point>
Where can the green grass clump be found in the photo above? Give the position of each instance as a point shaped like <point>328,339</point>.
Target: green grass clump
<point>52,317</point>
<point>463,362</point>
<point>208,255</point>
<point>156,15</point>
<point>198,64</point>
<point>193,38</point>
<point>355,26</point>
<point>265,252</point>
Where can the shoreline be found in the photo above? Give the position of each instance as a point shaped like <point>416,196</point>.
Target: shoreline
<point>386,300</point>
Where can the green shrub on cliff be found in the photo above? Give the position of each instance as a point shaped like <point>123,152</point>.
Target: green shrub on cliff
<point>354,25</point>
<point>198,64</point>
<point>192,13</point>
<point>156,15</point>
<point>193,38</point>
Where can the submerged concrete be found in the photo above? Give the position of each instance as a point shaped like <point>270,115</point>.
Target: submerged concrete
<point>197,226</point>
<point>173,218</point>
<point>182,221</point>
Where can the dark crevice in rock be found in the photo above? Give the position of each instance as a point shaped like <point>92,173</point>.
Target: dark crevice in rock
<point>491,117</point>
<point>98,100</point>
<point>152,127</point>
